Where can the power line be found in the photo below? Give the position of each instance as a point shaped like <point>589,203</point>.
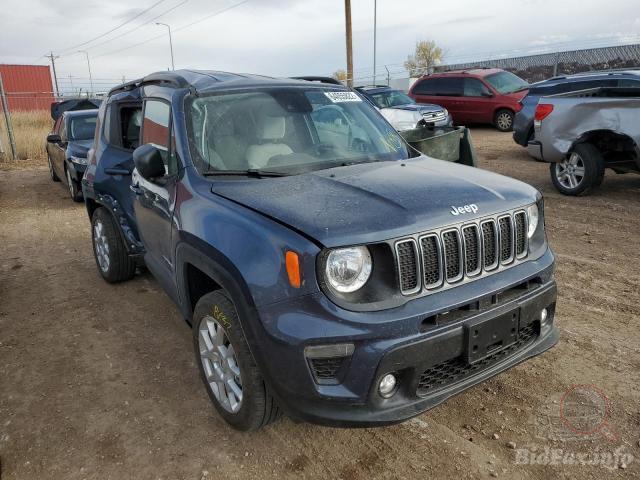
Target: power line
<point>207,17</point>
<point>115,28</point>
<point>138,26</point>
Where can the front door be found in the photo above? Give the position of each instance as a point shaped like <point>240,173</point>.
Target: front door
<point>59,150</point>
<point>155,199</point>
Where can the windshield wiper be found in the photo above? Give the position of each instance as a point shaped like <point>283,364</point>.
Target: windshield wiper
<point>251,172</point>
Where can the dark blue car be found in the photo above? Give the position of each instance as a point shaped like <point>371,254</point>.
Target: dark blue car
<point>67,147</point>
<point>523,131</point>
<point>328,270</point>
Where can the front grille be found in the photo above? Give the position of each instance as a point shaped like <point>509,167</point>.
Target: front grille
<point>442,258</point>
<point>455,370</point>
<point>471,249</point>
<point>434,116</point>
<point>408,266</point>
<point>431,263</point>
<point>326,368</point>
<point>452,254</point>
<point>490,245</point>
<point>521,233</point>
<point>506,239</point>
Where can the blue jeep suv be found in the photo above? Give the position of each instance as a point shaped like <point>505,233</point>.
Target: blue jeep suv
<point>523,131</point>
<point>328,270</point>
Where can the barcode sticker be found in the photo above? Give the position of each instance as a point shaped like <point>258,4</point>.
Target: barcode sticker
<point>339,97</point>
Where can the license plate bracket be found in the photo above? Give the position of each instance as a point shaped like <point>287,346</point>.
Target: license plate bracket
<point>486,337</point>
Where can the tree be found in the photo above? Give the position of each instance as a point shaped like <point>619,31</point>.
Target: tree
<point>427,55</point>
<point>340,75</point>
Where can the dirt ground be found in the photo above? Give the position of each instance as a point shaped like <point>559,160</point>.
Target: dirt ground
<point>99,381</point>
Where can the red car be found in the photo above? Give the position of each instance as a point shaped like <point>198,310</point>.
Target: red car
<point>488,95</point>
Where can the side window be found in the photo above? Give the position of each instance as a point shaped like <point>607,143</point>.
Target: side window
<point>63,129</point>
<point>628,83</point>
<point>106,126</point>
<point>474,88</point>
<point>451,87</point>
<point>130,123</point>
<point>156,128</point>
<point>426,87</point>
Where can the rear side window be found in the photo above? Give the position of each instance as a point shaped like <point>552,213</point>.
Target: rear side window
<point>626,83</point>
<point>474,88</point>
<point>443,86</point>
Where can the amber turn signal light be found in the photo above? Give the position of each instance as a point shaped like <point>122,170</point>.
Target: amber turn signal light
<point>293,269</point>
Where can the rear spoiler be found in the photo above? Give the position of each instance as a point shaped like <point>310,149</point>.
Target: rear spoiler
<point>58,108</point>
<point>311,78</point>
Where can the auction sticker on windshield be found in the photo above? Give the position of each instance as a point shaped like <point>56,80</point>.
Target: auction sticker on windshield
<point>338,97</point>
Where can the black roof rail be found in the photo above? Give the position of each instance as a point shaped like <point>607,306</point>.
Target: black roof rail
<point>125,87</point>
<point>312,78</point>
<point>372,86</point>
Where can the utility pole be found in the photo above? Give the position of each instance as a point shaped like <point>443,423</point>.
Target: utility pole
<point>89,66</point>
<point>7,119</point>
<point>170,43</point>
<point>347,16</point>
<point>375,13</point>
<point>53,57</point>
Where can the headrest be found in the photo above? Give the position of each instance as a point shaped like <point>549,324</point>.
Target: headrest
<point>271,127</point>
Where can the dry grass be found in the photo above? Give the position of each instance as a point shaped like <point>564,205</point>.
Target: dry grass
<point>30,130</point>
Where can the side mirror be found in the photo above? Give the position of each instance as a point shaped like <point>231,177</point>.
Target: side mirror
<point>487,93</point>
<point>148,161</point>
<point>53,138</point>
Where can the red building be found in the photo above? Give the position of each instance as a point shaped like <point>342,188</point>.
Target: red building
<point>28,87</point>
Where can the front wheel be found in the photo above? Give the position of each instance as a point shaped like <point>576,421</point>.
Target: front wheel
<point>580,172</point>
<point>114,263</point>
<point>227,368</point>
<point>503,120</point>
<point>74,191</point>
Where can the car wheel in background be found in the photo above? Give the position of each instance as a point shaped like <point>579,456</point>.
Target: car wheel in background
<point>227,368</point>
<point>113,261</point>
<point>581,171</point>
<point>74,191</point>
<point>503,120</point>
<point>52,172</point>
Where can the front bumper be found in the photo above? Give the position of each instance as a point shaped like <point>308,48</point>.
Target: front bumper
<point>77,171</point>
<point>397,341</point>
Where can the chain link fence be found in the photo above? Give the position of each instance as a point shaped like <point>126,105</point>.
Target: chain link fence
<point>534,68</point>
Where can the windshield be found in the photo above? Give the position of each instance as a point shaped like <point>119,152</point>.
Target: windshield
<point>82,128</point>
<point>506,82</point>
<point>391,98</point>
<point>290,131</point>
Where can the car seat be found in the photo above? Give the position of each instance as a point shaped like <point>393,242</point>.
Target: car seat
<point>270,131</point>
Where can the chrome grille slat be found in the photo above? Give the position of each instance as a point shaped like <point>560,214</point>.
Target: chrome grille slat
<point>445,257</point>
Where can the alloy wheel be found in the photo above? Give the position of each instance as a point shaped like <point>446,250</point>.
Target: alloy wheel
<point>220,364</point>
<point>101,246</point>
<point>504,121</point>
<point>570,172</point>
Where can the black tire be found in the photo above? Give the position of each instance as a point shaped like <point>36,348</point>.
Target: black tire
<point>258,408</point>
<point>584,156</point>
<point>120,265</point>
<point>503,120</point>
<point>72,187</point>
<point>52,172</point>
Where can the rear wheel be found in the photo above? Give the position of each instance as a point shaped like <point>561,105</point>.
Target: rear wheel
<point>113,261</point>
<point>580,172</point>
<point>52,172</point>
<point>227,368</point>
<point>503,120</point>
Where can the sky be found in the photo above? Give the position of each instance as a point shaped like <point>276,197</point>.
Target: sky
<point>293,37</point>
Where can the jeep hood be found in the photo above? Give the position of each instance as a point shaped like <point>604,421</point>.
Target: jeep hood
<point>422,107</point>
<point>372,202</point>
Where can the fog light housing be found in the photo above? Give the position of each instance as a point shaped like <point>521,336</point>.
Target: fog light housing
<point>544,314</point>
<point>387,385</point>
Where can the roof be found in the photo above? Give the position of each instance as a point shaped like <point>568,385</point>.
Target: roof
<point>205,80</point>
<point>480,72</point>
<point>375,88</point>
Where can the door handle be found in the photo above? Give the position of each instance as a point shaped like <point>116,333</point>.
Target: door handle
<point>135,189</point>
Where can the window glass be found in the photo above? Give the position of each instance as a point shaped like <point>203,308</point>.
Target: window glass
<point>391,98</point>
<point>627,83</point>
<point>442,86</point>
<point>130,122</point>
<point>474,88</point>
<point>156,125</point>
<point>506,82</point>
<point>426,87</point>
<point>106,127</point>
<point>82,128</point>
<point>290,130</point>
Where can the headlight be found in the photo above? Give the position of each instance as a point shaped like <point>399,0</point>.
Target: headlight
<point>79,161</point>
<point>533,216</point>
<point>446,112</point>
<point>348,269</point>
